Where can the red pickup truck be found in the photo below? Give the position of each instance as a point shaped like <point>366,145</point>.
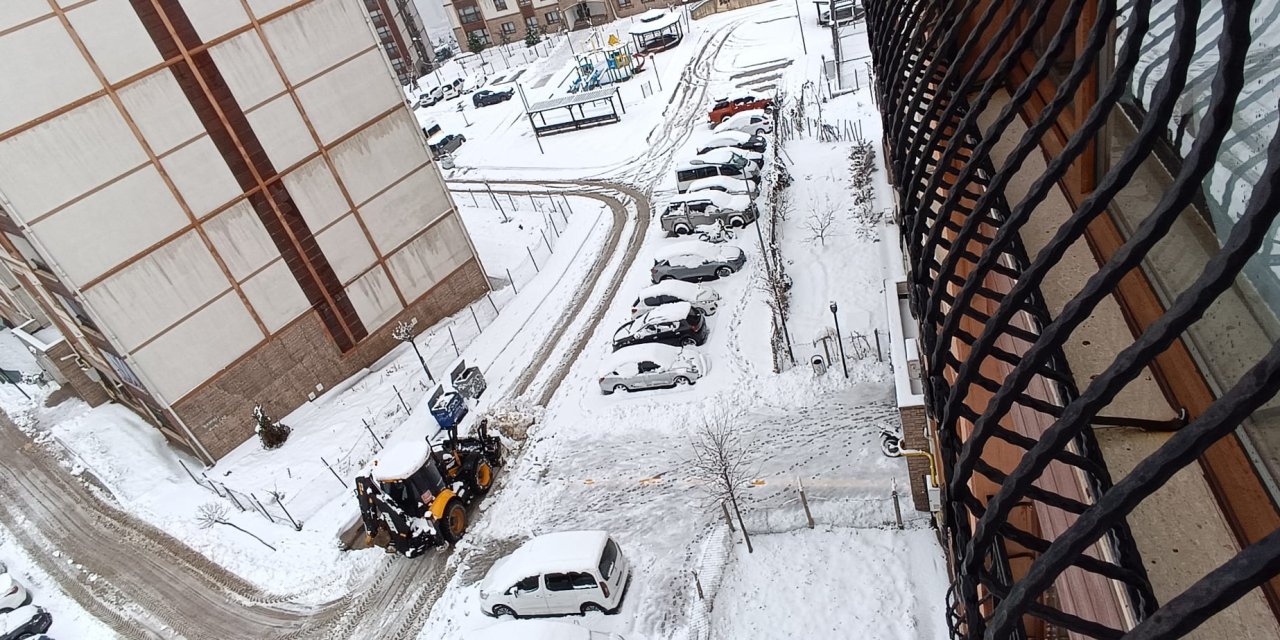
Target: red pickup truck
<point>727,107</point>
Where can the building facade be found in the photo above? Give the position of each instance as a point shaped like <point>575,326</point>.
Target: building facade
<point>217,203</point>
<point>403,35</point>
<point>497,21</point>
<point>1088,214</point>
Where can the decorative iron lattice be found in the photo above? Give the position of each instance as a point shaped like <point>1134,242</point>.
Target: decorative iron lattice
<point>998,377</point>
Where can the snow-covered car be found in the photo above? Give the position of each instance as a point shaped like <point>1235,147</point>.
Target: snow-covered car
<point>717,162</point>
<point>690,210</point>
<point>734,139</point>
<point>726,107</point>
<point>755,122</point>
<point>755,157</point>
<point>727,184</point>
<point>695,260</point>
<point>539,630</point>
<point>557,574</point>
<point>446,144</point>
<point>675,323</point>
<point>668,291</point>
<point>24,622</point>
<point>12,595</point>
<point>652,366</point>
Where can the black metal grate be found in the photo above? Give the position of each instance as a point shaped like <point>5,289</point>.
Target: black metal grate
<point>986,331</point>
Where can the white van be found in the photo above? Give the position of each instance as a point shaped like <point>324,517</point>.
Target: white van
<point>718,162</point>
<point>557,574</point>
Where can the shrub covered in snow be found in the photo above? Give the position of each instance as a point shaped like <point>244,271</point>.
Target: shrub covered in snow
<point>271,432</point>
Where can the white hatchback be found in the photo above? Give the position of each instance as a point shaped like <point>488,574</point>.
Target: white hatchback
<point>557,574</point>
<point>12,595</point>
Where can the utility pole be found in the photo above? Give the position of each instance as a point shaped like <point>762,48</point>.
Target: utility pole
<point>839,340</point>
<point>799,23</point>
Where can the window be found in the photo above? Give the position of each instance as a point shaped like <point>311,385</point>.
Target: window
<point>500,5</point>
<point>553,17</point>
<point>570,581</point>
<point>480,34</point>
<point>470,14</point>
<point>77,311</point>
<point>528,585</point>
<point>508,28</point>
<point>531,22</point>
<point>122,369</point>
<point>384,34</point>
<point>624,3</point>
<point>608,560</point>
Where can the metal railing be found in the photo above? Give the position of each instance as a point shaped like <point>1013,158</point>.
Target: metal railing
<point>993,351</point>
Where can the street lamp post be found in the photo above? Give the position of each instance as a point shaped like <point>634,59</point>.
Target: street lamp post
<point>404,333</point>
<point>839,339</point>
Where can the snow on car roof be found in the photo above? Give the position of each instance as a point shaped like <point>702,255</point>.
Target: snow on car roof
<point>726,182</point>
<point>399,460</point>
<point>669,312</point>
<point>674,288</point>
<point>11,621</point>
<point>718,198</point>
<point>731,136</point>
<point>531,630</point>
<point>559,552</point>
<point>687,247</point>
<point>661,354</point>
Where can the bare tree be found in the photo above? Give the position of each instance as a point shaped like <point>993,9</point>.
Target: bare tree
<point>211,513</point>
<point>723,461</point>
<point>820,221</point>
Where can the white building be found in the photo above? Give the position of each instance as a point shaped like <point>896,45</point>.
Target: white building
<point>218,202</point>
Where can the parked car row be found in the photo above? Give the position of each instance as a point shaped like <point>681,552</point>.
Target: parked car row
<point>19,619</point>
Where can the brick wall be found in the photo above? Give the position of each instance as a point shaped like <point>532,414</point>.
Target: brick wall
<point>281,372</point>
<point>915,436</point>
<point>84,387</point>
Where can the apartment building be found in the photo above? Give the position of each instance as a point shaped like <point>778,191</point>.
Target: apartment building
<point>497,21</point>
<point>403,35</point>
<point>1087,210</point>
<point>217,203</point>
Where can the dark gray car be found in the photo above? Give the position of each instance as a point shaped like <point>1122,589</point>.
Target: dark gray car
<point>694,260</point>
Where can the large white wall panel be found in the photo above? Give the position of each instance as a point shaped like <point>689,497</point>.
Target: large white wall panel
<point>112,225</point>
<point>371,160</point>
<point>401,211</point>
<point>282,132</point>
<point>16,12</point>
<point>142,299</point>
<point>213,18</point>
<point>374,299</point>
<point>247,68</point>
<point>430,257</point>
<point>316,193</point>
<point>83,149</point>
<point>202,176</point>
<point>115,37</point>
<point>42,70</point>
<point>345,247</point>
<point>317,36</point>
<point>275,296</point>
<point>240,239</point>
<point>192,352</point>
<point>161,111</point>
<point>263,8</point>
<point>349,96</point>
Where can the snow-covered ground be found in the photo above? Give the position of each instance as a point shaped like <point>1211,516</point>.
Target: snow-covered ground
<point>620,462</point>
<point>69,619</point>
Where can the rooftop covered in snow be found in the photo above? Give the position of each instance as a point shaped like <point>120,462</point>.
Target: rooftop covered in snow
<point>399,460</point>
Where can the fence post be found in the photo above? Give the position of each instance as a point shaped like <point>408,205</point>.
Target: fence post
<point>375,436</point>
<point>455,342</point>
<point>231,494</point>
<point>213,485</point>
<point>532,259</point>
<point>566,202</point>
<point>513,283</point>
<point>335,473</point>
<point>402,402</point>
<point>491,302</point>
<point>698,583</point>
<point>727,519</point>
<point>184,468</point>
<point>544,239</point>
<point>473,317</point>
<point>808,515</point>
<point>879,356</point>
<point>264,509</point>
<point>897,508</point>
<point>296,525</point>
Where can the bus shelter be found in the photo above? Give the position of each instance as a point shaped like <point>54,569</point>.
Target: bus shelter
<point>573,112</point>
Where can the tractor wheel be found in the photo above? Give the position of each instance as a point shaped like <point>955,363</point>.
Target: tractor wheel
<point>482,476</point>
<point>454,523</point>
